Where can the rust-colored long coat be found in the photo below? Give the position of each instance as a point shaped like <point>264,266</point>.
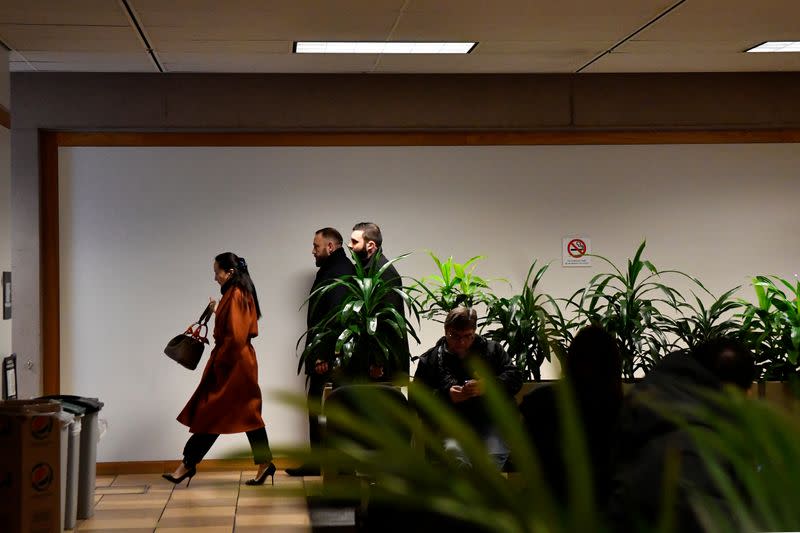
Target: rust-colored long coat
<point>228,398</point>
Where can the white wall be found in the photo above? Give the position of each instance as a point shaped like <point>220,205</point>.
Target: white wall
<point>5,198</point>
<point>140,226</point>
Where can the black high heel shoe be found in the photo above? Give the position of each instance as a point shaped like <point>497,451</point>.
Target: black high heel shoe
<point>270,471</point>
<point>188,476</point>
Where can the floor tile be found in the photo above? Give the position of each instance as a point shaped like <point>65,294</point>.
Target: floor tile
<point>271,501</point>
<point>130,489</point>
<point>103,524</point>
<point>205,492</point>
<point>201,503</point>
<point>272,529</point>
<point>110,514</point>
<point>197,521</point>
<point>118,530</point>
<point>204,499</point>
<point>287,505</point>
<point>218,476</point>
<point>104,481</point>
<point>180,512</point>
<point>138,479</point>
<point>143,501</point>
<point>208,529</point>
<point>274,519</point>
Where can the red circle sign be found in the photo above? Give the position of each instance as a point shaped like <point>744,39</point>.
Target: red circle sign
<point>576,248</point>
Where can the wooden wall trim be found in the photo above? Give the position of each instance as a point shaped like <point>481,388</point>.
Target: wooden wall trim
<point>5,118</point>
<point>162,467</point>
<point>49,258</point>
<point>51,141</point>
<point>488,138</point>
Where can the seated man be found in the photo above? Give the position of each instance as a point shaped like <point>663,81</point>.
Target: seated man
<point>649,439</point>
<point>446,369</point>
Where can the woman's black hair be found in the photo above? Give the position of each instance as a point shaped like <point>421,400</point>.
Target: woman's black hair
<point>593,362</point>
<point>241,275</point>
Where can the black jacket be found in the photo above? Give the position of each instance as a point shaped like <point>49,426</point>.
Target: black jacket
<point>334,266</point>
<point>440,370</point>
<point>598,415</point>
<point>646,438</point>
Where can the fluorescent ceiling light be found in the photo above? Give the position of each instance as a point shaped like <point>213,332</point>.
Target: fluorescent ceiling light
<point>777,46</point>
<point>381,47</point>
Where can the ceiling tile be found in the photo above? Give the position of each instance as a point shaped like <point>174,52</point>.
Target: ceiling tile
<point>317,28</point>
<point>537,47</point>
<point>27,38</point>
<point>710,20</point>
<point>278,20</point>
<point>523,20</point>
<point>176,45</point>
<point>266,63</point>
<point>87,64</point>
<point>60,12</point>
<point>696,62</point>
<point>546,63</point>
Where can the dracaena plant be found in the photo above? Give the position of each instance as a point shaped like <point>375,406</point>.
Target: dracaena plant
<point>771,327</point>
<point>631,305</point>
<point>365,327</point>
<point>522,324</point>
<point>698,323</point>
<point>454,285</point>
<point>564,323</point>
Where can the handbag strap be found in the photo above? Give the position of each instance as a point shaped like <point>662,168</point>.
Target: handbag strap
<point>201,323</point>
<point>206,316</point>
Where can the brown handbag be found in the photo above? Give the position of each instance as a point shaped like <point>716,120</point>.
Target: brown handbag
<point>187,348</point>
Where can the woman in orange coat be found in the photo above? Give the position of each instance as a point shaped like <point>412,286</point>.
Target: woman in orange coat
<point>228,398</point>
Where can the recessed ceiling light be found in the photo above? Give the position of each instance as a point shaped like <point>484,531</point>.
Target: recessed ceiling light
<point>381,47</point>
<point>777,46</point>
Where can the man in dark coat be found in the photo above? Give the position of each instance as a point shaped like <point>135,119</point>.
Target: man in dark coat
<point>446,369</point>
<point>366,241</point>
<point>649,441</point>
<point>333,263</point>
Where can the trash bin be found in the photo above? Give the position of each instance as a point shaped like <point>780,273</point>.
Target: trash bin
<point>70,435</point>
<point>87,464</point>
<point>70,458</point>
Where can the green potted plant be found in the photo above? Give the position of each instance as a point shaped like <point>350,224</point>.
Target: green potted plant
<point>454,285</point>
<point>629,305</point>
<point>366,327</point>
<point>698,323</point>
<point>771,328</point>
<point>522,325</point>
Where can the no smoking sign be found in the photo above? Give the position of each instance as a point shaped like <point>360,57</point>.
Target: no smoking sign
<point>574,252</point>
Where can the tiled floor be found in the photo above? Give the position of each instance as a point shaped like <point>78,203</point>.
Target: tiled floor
<point>215,502</point>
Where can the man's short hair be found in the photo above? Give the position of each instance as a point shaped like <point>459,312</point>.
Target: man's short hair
<point>371,232</point>
<point>460,319</point>
<point>728,359</point>
<point>331,234</point>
